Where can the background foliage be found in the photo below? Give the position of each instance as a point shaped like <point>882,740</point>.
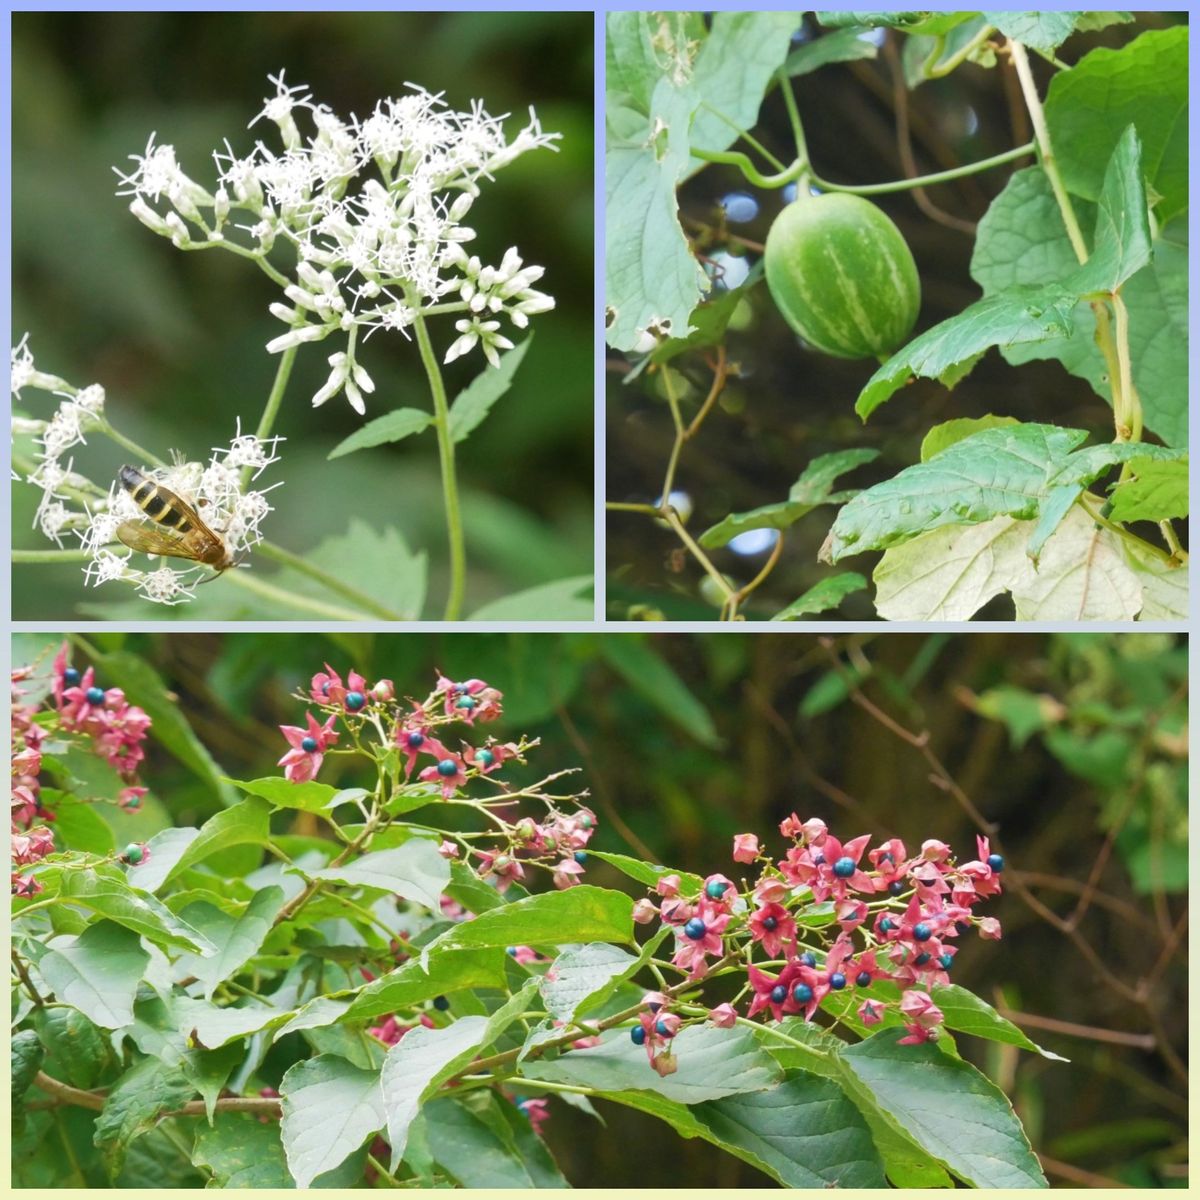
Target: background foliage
<point>1074,746</point>
<point>177,339</point>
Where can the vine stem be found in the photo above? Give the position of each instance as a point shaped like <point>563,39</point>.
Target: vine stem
<point>454,531</point>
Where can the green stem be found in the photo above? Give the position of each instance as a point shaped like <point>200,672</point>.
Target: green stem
<point>650,510</point>
<point>269,591</point>
<point>921,181</point>
<point>454,531</point>
<point>1129,416</point>
<point>930,69</point>
<point>271,410</point>
<point>129,444</point>
<point>50,556</point>
<point>793,111</point>
<point>1129,536</point>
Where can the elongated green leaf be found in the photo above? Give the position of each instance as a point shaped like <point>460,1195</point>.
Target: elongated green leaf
<point>437,973</point>
<point>208,1072</point>
<point>652,678</point>
<point>475,401</point>
<point>648,873</point>
<point>98,972</point>
<point>104,891</point>
<point>488,1143</point>
<point>823,596</point>
<point>578,974</point>
<point>329,1109</point>
<point>414,871</point>
<point>843,45</point>
<point>391,427</point>
<point>76,1051</point>
<point>943,1103</point>
<point>247,823</point>
<point>712,1063</point>
<point>967,1013</point>
<point>311,796</point>
<point>580,914</point>
<point>26,1055</point>
<point>237,939</point>
<point>425,1058</point>
<point>806,1132</point>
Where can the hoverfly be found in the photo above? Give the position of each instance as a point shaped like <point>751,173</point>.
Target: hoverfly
<point>178,530</point>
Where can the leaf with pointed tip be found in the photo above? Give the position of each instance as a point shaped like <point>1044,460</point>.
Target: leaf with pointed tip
<point>98,972</point>
<point>414,871</point>
<point>823,596</point>
<point>394,426</point>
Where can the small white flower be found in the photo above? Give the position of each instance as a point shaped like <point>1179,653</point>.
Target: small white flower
<point>482,332</point>
<point>166,586</point>
<point>24,374</point>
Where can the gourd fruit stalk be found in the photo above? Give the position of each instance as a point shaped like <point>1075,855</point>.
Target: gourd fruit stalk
<point>843,276</point>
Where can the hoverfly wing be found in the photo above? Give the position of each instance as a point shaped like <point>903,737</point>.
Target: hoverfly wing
<point>138,535</point>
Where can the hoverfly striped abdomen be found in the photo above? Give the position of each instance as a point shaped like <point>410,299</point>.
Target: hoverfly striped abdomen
<point>157,502</point>
<point>181,532</point>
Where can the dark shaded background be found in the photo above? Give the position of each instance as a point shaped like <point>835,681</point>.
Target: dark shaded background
<point>786,738</point>
<point>177,339</point>
<point>792,404</point>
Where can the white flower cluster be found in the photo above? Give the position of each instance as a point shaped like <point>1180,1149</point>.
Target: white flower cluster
<point>214,489</point>
<point>374,248</point>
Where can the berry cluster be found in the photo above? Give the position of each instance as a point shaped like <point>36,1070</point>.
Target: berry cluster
<point>379,725</point>
<point>898,917</point>
<point>83,711</point>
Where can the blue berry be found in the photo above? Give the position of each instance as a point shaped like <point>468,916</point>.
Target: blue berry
<point>695,929</point>
<point>716,889</point>
<point>837,981</point>
<point>663,1029</point>
<point>946,960</point>
<point>467,702</point>
<point>415,740</point>
<point>896,887</point>
<point>739,207</point>
<point>70,676</point>
<point>922,958</point>
<point>637,1035</point>
<point>922,932</point>
<point>355,701</point>
<point>95,695</point>
<point>580,856</point>
<point>818,860</point>
<point>863,979</point>
<point>441,1003</point>
<point>460,689</point>
<point>808,959</point>
<point>845,867</point>
<point>770,924</point>
<point>802,993</point>
<point>447,767</point>
<point>887,856</point>
<point>778,994</point>
<point>308,745</point>
<point>886,926</point>
<point>654,1005</point>
<point>996,862</point>
<point>485,757</point>
<point>511,951</point>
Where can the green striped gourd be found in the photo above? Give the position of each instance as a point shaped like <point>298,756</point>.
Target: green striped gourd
<point>842,275</point>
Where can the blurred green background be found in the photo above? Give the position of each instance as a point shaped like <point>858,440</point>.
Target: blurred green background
<point>1073,746</point>
<point>177,339</point>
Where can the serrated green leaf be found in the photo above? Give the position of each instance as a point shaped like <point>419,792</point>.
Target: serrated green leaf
<point>942,437</point>
<point>560,600</point>
<point>134,1105</point>
<point>391,427</point>
<point>1044,31</point>
<point>1154,491</point>
<point>822,596</point>
<point>475,401</point>
<point>1144,83</point>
